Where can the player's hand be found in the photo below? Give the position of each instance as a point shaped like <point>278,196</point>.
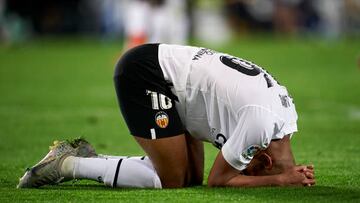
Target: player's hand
<point>298,175</point>
<point>309,171</point>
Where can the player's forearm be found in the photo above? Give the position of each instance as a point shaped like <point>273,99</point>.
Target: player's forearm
<point>253,181</point>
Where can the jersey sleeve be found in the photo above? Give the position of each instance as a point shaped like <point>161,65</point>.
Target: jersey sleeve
<point>254,131</point>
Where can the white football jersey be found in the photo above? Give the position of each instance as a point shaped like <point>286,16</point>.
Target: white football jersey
<point>228,101</point>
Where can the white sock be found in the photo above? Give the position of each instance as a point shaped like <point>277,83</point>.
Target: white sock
<point>125,172</point>
<point>114,157</point>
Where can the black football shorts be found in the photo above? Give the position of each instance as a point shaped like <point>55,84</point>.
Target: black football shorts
<point>145,98</point>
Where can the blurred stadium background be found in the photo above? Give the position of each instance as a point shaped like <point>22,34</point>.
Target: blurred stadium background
<point>56,66</point>
<point>210,21</point>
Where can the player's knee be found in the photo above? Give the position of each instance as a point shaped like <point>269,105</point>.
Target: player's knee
<point>198,180</point>
<point>174,183</point>
<point>176,179</point>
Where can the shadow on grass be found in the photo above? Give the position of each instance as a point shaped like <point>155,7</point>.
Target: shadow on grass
<point>286,194</point>
<point>316,193</point>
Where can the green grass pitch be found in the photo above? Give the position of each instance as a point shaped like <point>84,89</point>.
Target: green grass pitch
<point>60,89</point>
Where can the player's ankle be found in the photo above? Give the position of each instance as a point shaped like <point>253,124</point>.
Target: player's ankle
<point>67,167</point>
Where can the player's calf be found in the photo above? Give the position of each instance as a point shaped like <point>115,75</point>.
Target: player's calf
<point>114,171</point>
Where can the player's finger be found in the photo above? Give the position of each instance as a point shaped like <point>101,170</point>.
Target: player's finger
<point>308,182</point>
<point>310,168</point>
<point>300,168</point>
<point>309,171</point>
<point>309,175</point>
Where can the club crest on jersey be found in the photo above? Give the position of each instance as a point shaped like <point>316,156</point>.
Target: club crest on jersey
<point>250,151</point>
<point>162,119</point>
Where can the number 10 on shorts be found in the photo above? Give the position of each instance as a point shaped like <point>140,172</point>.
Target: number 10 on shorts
<point>159,100</point>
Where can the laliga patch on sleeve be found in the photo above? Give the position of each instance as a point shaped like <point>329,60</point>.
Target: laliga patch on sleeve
<point>249,152</point>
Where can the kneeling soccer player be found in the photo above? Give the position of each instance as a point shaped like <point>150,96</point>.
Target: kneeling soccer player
<point>175,97</point>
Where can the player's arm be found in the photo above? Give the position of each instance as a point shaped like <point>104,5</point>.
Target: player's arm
<point>224,175</point>
<point>195,149</point>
